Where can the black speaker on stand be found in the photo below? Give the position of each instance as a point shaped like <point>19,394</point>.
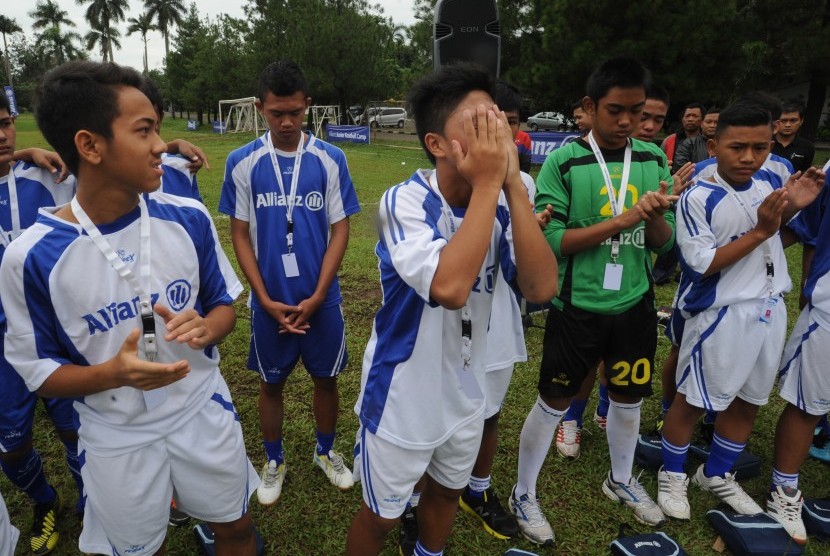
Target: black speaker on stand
<point>468,31</point>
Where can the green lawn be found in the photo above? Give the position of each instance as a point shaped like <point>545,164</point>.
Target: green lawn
<point>312,517</point>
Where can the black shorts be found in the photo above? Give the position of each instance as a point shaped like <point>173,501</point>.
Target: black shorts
<point>575,340</point>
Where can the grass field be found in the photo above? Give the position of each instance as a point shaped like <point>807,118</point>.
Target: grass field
<point>312,517</point>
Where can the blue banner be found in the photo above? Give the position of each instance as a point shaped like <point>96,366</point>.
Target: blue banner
<point>218,126</point>
<point>12,101</point>
<point>192,125</point>
<point>347,133</point>
<point>544,142</point>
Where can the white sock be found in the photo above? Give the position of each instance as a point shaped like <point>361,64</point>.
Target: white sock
<point>622,431</point>
<point>534,443</point>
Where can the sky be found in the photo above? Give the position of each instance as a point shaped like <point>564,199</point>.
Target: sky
<point>132,48</point>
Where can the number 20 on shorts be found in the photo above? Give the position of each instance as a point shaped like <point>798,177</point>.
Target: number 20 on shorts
<point>638,373</point>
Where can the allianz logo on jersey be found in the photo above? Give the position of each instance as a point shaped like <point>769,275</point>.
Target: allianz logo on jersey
<point>177,295</point>
<point>636,237</point>
<point>312,201</point>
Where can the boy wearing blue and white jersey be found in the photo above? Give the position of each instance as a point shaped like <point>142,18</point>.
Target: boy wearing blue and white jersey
<point>442,241</point>
<point>25,188</point>
<point>79,283</point>
<point>803,379</point>
<point>290,196</point>
<point>735,273</point>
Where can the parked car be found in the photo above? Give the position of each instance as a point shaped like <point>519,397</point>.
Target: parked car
<point>548,120</point>
<point>386,117</point>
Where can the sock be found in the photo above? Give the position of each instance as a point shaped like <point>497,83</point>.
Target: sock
<point>74,465</point>
<point>324,443</point>
<point>622,432</point>
<point>414,499</point>
<point>664,406</point>
<point>478,485</point>
<point>421,551</point>
<point>602,406</point>
<point>534,443</point>
<point>575,412</point>
<point>722,457</point>
<point>674,457</point>
<point>784,479</point>
<point>709,417</point>
<point>28,476</point>
<point>825,426</point>
<point>273,451</point>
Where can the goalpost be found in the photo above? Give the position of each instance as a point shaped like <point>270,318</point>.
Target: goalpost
<point>322,114</point>
<point>237,115</point>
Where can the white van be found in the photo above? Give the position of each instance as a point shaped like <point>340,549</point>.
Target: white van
<point>386,117</point>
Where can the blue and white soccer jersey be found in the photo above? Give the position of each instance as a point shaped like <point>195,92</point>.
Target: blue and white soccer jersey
<point>723,311</point>
<point>804,381</point>
<point>67,305</point>
<point>35,188</point>
<point>325,195</point>
<point>775,169</point>
<point>177,178</point>
<point>416,394</point>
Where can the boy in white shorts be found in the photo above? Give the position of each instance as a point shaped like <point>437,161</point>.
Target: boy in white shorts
<point>117,300</point>
<point>804,382</point>
<point>732,254</point>
<point>442,241</point>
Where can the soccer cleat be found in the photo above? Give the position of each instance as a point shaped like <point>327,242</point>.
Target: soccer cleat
<point>728,490</point>
<point>332,465</point>
<point>600,420</point>
<point>820,449</point>
<point>488,509</point>
<point>270,485</point>
<point>45,534</point>
<point>671,494</point>
<point>408,535</point>
<point>177,517</point>
<point>568,438</point>
<point>784,506</point>
<point>532,522</point>
<point>634,496</point>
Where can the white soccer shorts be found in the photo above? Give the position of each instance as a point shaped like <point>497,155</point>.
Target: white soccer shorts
<point>804,380</point>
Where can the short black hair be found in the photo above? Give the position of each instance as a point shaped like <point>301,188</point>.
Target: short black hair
<point>792,106</point>
<point>508,97</point>
<point>154,94</point>
<point>623,71</point>
<point>283,79</point>
<point>766,101</point>
<point>713,110</point>
<point>435,96</point>
<point>657,92</point>
<point>743,114</point>
<point>80,95</point>
<point>693,106</point>
<point>577,104</point>
<point>4,102</point>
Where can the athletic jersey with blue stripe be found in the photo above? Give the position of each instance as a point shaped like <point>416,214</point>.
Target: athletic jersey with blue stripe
<point>415,392</point>
<point>777,169</point>
<point>67,305</point>
<point>177,178</point>
<point>325,195</point>
<point>816,224</point>
<point>709,217</point>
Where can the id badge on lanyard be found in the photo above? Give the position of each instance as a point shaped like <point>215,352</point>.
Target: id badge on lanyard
<point>289,260</point>
<point>14,211</point>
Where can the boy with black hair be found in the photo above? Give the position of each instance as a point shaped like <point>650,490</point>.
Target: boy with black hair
<point>444,235</point>
<point>788,143</point>
<point>696,149</point>
<point>654,114</point>
<point>610,203</point>
<point>734,273</point>
<point>690,121</point>
<point>143,415</point>
<point>290,196</point>
<point>24,189</point>
<point>512,100</point>
<point>583,123</point>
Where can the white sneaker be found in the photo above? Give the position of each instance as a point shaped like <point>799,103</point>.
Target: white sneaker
<point>335,469</point>
<point>600,420</point>
<point>671,494</point>
<point>784,506</point>
<point>728,490</point>
<point>532,522</point>
<point>568,439</point>
<point>634,496</point>
<point>270,485</point>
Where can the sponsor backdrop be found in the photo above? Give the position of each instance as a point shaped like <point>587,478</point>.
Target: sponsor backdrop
<point>347,133</point>
<point>544,142</point>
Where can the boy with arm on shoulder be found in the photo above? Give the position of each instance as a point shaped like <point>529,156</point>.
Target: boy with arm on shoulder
<point>442,240</point>
<point>143,414</point>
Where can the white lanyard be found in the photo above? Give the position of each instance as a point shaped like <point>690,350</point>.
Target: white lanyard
<point>618,204</point>
<point>466,313</point>
<point>13,209</point>
<point>295,177</point>
<point>147,320</point>
<point>765,248</point>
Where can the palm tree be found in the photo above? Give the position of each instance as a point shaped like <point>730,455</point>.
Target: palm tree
<point>166,13</point>
<point>48,13</point>
<point>142,24</point>
<point>58,46</point>
<point>105,39</point>
<point>8,26</point>
<point>101,16</point>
